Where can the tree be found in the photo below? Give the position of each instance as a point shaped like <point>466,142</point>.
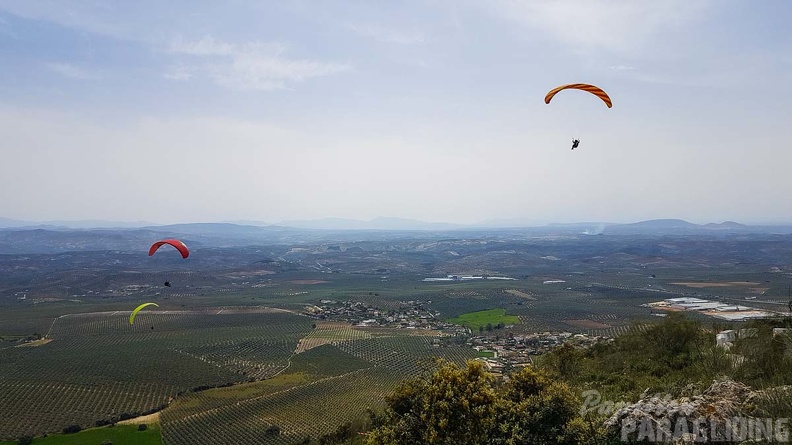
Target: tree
<point>467,405</point>
<point>342,434</point>
<point>538,410</point>
<point>273,430</point>
<point>565,361</point>
<point>672,342</point>
<point>71,429</point>
<point>451,406</point>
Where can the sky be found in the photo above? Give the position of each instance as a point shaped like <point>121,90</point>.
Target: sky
<point>186,111</point>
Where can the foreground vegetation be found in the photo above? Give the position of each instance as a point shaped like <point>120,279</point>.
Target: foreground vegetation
<point>456,405</point>
<point>541,404</point>
<point>674,354</point>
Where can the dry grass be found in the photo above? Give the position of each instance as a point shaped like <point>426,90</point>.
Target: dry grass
<point>151,418</point>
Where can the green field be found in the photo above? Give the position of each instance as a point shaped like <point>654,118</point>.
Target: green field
<point>477,319</point>
<point>118,435</point>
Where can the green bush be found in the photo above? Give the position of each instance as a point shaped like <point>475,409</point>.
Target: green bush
<point>71,429</point>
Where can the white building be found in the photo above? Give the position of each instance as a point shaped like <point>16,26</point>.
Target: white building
<point>684,300</point>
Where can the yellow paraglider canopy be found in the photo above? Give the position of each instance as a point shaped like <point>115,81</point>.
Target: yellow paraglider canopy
<point>137,309</point>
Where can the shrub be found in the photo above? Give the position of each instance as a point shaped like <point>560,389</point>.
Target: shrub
<point>273,430</point>
<point>71,429</point>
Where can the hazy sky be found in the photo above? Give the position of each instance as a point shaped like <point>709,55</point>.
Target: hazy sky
<point>206,111</point>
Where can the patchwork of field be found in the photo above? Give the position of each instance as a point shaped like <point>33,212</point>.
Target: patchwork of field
<point>593,309</point>
<point>323,388</point>
<point>97,367</point>
<point>288,370</point>
<point>308,410</point>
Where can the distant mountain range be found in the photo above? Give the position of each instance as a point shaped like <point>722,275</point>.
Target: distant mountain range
<point>75,224</point>
<point>250,227</point>
<point>374,224</point>
<point>51,238</point>
<point>680,227</point>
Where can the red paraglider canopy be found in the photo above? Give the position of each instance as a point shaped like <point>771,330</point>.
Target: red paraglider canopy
<point>180,246</point>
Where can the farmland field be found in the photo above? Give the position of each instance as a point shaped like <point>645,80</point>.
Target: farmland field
<point>475,320</point>
<point>118,435</point>
<point>98,367</point>
<point>323,388</point>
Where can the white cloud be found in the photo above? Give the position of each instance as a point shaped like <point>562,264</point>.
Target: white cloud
<point>208,46</point>
<point>178,73</point>
<point>250,66</point>
<point>73,71</point>
<point>6,30</point>
<point>621,67</point>
<point>388,35</point>
<point>612,25</point>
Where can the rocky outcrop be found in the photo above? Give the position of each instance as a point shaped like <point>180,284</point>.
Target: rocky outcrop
<point>723,413</point>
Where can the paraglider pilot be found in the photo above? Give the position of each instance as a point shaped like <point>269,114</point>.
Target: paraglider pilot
<point>575,143</point>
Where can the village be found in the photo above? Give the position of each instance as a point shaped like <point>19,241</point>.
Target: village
<point>503,352</point>
<point>410,315</point>
<point>500,349</point>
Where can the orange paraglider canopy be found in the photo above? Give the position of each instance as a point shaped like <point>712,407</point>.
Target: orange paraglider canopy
<point>597,91</point>
<point>180,246</point>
